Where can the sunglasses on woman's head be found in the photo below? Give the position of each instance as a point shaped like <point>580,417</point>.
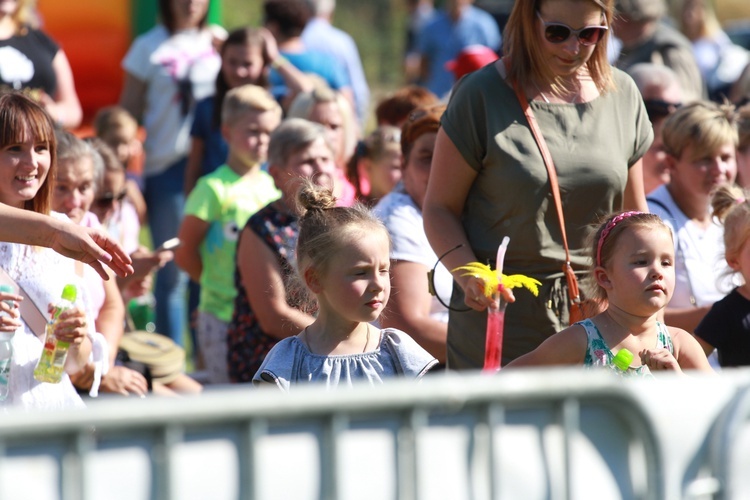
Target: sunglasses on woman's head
<point>559,32</point>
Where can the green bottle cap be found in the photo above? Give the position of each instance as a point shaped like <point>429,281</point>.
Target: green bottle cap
<point>6,288</point>
<point>623,359</point>
<point>69,293</point>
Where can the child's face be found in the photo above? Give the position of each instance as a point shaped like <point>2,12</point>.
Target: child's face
<point>313,162</point>
<point>696,173</point>
<point>23,167</point>
<point>74,188</point>
<point>249,135</point>
<point>357,284</point>
<point>639,278</point>
<point>385,172</point>
<point>242,64</point>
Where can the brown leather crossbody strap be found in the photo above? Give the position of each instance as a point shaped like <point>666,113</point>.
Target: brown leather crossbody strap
<point>570,277</point>
<point>30,313</point>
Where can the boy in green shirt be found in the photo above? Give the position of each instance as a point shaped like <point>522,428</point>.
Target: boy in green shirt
<point>217,210</point>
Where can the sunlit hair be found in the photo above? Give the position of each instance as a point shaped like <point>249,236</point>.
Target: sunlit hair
<point>609,244</point>
<point>110,120</point>
<point>246,98</point>
<point>25,16</point>
<point>302,107</point>
<point>522,43</point>
<point>396,108</point>
<point>167,15</point>
<point>325,229</point>
<point>705,125</point>
<point>22,119</point>
<point>730,207</point>
<point>246,37</point>
<point>653,77</point>
<point>71,150</point>
<point>291,137</point>
<point>420,121</point>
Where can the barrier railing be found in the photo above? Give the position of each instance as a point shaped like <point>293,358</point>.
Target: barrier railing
<point>552,434</point>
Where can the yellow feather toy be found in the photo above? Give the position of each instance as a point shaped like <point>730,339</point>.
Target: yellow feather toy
<point>492,282</point>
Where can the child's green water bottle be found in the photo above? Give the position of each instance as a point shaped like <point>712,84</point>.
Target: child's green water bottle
<point>622,359</point>
<point>52,361</point>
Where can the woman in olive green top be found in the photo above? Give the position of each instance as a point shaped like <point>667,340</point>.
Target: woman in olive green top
<point>489,180</point>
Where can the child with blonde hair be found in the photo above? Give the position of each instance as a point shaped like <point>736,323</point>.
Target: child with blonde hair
<point>343,256</point>
<point>218,208</point>
<point>633,273</point>
<point>725,327</point>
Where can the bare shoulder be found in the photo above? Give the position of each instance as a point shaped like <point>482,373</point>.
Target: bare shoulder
<point>566,347</point>
<point>688,351</point>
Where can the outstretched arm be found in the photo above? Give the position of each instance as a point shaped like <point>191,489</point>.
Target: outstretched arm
<point>88,245</point>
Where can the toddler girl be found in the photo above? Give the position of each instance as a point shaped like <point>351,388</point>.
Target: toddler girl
<point>633,271</point>
<point>343,256</point>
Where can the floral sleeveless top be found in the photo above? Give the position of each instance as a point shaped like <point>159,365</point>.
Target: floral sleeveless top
<point>598,352</point>
<point>246,342</point>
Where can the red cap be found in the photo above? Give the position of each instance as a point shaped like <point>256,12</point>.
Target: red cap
<point>470,59</point>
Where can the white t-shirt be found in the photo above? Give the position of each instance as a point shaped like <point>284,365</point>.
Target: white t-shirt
<point>403,218</point>
<point>162,61</point>
<point>699,254</point>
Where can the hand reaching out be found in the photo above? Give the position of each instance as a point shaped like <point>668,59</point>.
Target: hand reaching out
<point>91,246</point>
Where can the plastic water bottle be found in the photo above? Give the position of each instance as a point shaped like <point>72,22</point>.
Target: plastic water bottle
<point>52,361</point>
<point>6,350</point>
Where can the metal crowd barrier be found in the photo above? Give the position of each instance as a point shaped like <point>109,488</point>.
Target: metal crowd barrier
<point>546,434</point>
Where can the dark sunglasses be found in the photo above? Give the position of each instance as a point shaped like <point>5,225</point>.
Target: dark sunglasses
<point>109,199</point>
<point>559,33</point>
<point>658,108</point>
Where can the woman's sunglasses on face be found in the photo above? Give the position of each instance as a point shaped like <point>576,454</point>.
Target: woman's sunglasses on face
<point>658,108</point>
<point>559,32</point>
<point>109,199</point>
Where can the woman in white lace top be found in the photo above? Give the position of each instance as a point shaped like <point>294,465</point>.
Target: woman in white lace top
<point>27,162</point>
